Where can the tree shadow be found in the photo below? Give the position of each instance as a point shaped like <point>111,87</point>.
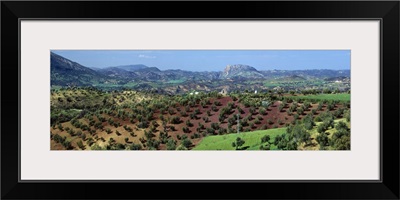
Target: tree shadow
<point>244,148</point>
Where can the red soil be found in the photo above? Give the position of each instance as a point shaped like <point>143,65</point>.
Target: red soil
<point>272,114</point>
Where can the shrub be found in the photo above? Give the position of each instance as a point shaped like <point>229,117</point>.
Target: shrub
<point>184,137</point>
<point>330,106</point>
<point>319,106</point>
<point>171,111</point>
<point>66,144</point>
<point>152,144</point>
<point>234,98</point>
<point>265,138</point>
<point>97,147</point>
<point>117,132</point>
<point>266,147</point>
<point>300,110</point>
<point>188,123</point>
<point>221,131</point>
<point>201,126</point>
<point>80,144</point>
<point>185,129</point>
<point>281,106</point>
<point>217,103</point>
<point>58,138</point>
<point>210,130</point>
<point>171,144</point>
<point>322,139</point>
<point>240,110</point>
<point>175,120</point>
<point>134,146</point>
<point>313,111</point>
<point>181,147</point>
<point>277,140</point>
<point>186,143</point>
<point>148,134</point>
<point>83,136</point>
<point>341,139</point>
<point>306,105</point>
<point>90,141</point>
<point>262,111</point>
<point>215,126</point>
<point>238,143</point>
<point>263,127</point>
<point>116,146</point>
<point>252,110</point>
<point>321,128</point>
<point>71,132</point>
<point>98,125</point>
<point>184,114</point>
<point>342,125</point>
<point>308,122</point>
<point>346,114</point>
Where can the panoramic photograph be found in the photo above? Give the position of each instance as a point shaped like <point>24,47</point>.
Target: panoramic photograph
<point>236,100</point>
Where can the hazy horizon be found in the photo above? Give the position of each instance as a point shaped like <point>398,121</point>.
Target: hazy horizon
<point>212,60</point>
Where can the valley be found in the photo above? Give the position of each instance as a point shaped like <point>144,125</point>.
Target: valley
<point>136,107</point>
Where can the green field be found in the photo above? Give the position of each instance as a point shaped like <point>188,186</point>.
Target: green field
<point>176,81</point>
<point>253,139</point>
<point>224,142</point>
<point>293,83</point>
<point>335,97</point>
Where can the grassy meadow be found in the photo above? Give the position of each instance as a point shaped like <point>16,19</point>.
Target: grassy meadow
<point>253,138</point>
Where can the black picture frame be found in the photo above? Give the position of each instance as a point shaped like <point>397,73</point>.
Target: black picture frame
<point>386,11</point>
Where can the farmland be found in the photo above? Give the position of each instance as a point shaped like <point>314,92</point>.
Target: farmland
<point>140,107</point>
<point>343,97</point>
<point>253,139</point>
<point>92,119</point>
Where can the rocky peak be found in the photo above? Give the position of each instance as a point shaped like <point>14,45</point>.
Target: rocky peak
<point>233,69</point>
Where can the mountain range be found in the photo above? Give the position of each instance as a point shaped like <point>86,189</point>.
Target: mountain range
<point>65,72</point>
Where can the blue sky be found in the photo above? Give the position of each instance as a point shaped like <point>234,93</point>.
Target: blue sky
<point>212,60</point>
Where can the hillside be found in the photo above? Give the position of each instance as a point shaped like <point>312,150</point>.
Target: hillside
<point>132,67</point>
<point>65,72</point>
<point>253,139</point>
<point>130,117</point>
<point>241,71</point>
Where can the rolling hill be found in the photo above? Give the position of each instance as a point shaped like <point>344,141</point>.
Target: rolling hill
<point>65,72</point>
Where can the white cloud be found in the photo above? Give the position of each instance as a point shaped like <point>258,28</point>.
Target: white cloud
<point>146,56</point>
